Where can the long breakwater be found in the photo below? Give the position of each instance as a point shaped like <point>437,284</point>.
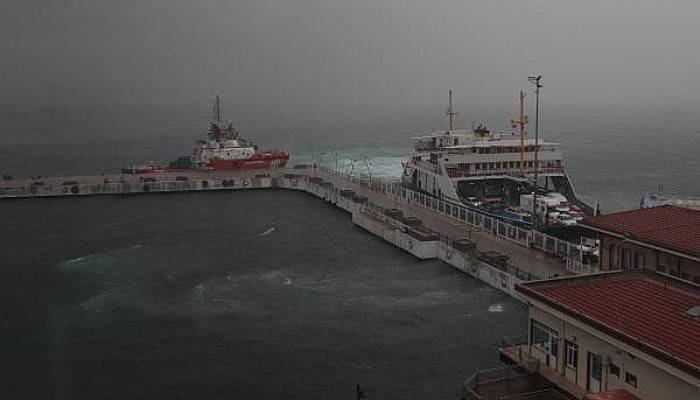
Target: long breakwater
<point>495,252</point>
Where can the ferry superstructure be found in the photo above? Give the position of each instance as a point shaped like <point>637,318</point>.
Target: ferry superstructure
<point>477,167</point>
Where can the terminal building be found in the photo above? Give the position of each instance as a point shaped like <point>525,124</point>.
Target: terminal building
<point>615,335</point>
<point>664,239</point>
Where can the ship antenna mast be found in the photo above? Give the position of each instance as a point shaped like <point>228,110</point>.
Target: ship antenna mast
<point>520,123</point>
<point>217,109</point>
<point>451,113</point>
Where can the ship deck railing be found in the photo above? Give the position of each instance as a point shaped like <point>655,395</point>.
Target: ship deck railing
<point>512,173</point>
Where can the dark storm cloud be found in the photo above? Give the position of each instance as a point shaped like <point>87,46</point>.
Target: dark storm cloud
<point>309,55</point>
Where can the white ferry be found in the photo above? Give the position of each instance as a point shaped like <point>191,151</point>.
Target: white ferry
<point>490,171</point>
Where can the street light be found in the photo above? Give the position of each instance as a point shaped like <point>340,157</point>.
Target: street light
<point>536,81</point>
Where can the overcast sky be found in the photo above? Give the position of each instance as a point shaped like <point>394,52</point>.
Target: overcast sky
<point>314,55</point>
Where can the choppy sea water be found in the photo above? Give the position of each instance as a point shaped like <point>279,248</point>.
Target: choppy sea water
<point>261,294</point>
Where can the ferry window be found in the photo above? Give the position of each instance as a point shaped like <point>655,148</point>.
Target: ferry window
<point>571,355</point>
<point>661,268</point>
<point>529,164</point>
<point>484,165</point>
<point>456,142</point>
<point>615,370</point>
<point>630,379</point>
<point>640,260</point>
<point>477,166</point>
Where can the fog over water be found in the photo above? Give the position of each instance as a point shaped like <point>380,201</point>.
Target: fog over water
<point>91,85</point>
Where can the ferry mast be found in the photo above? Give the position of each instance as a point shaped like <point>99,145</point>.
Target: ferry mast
<point>451,113</point>
<point>520,123</point>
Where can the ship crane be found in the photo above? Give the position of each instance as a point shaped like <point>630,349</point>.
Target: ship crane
<point>520,123</point>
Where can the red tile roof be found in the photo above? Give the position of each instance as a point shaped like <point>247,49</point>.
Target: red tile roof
<point>670,227</point>
<point>617,394</point>
<point>642,308</point>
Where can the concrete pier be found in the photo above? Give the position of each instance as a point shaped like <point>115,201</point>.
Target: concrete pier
<point>428,228</point>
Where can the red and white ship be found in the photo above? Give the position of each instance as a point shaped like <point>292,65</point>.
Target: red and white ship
<point>224,149</point>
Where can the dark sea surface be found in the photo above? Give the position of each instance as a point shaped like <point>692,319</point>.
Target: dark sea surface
<point>260,294</point>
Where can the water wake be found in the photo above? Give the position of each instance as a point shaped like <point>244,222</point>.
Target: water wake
<point>496,308</point>
<point>74,262</point>
<point>267,232</point>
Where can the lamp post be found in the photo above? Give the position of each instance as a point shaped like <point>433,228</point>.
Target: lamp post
<point>536,81</point>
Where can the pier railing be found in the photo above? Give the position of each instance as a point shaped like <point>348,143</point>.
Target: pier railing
<point>573,256</point>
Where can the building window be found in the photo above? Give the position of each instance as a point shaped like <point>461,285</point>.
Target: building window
<point>544,338</point>
<point>630,379</point>
<point>640,260</point>
<point>571,355</point>
<point>614,257</point>
<point>626,259</point>
<point>615,370</point>
<point>661,268</point>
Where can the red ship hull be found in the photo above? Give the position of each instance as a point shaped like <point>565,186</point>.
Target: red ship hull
<point>259,160</point>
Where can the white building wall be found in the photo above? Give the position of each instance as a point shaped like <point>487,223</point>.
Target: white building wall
<point>655,379</point>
